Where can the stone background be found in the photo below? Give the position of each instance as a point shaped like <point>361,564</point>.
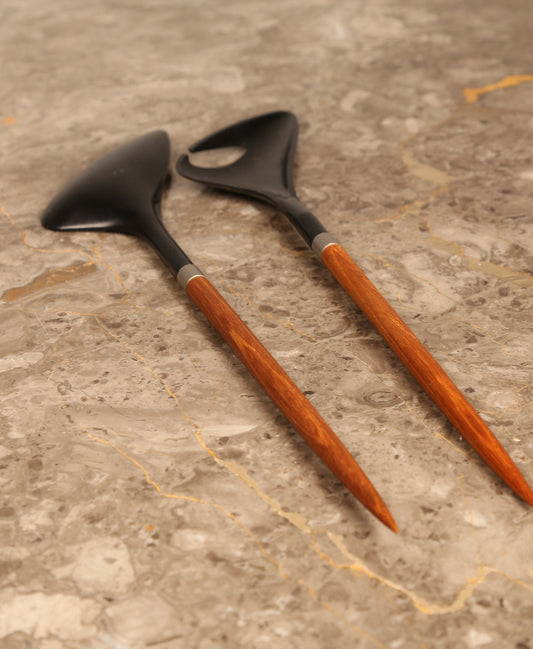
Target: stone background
<point>150,494</point>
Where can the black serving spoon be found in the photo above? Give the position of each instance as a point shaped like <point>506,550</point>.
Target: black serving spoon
<point>264,171</point>
<point>122,193</point>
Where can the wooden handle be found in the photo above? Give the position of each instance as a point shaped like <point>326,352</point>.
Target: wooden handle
<point>286,395</point>
<point>424,368</point>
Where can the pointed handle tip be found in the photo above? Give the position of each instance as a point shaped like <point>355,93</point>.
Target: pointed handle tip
<point>389,521</point>
<point>524,491</point>
<point>380,510</point>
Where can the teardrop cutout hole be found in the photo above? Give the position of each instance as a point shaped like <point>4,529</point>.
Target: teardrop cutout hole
<point>213,158</point>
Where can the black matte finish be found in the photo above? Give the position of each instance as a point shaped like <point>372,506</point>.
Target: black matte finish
<point>121,192</point>
<point>264,171</point>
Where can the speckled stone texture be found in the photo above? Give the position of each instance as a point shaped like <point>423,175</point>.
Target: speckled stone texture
<point>150,494</point>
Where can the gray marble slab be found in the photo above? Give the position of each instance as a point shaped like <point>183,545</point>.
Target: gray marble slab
<point>150,494</point>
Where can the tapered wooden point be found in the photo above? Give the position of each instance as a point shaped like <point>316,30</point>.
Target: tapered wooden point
<point>337,457</point>
<point>528,495</point>
<point>489,449</point>
<point>367,494</point>
<point>361,487</point>
<point>386,517</point>
<point>518,484</point>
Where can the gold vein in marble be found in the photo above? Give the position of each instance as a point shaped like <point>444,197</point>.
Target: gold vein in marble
<point>355,565</point>
<point>130,349</point>
<point>200,501</point>
<point>98,257</point>
<point>234,519</point>
<point>50,278</point>
<point>414,207</point>
<point>423,605</point>
<point>237,470</point>
<point>518,278</point>
<point>24,238</point>
<point>472,95</point>
<point>421,170</point>
<point>293,518</point>
<point>240,472</point>
<point>431,174</point>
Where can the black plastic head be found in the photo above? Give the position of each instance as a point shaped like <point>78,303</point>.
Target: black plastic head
<point>265,169</point>
<point>120,192</point>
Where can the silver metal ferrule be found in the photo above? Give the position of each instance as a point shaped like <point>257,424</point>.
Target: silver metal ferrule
<point>321,242</point>
<point>186,273</point>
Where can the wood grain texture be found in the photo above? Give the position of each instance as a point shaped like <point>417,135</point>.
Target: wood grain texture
<point>424,368</point>
<point>287,397</point>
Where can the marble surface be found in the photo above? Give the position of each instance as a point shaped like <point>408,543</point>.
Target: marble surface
<point>150,494</point>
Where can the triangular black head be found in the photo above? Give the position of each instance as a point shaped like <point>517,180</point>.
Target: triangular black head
<point>121,192</point>
<point>264,171</point>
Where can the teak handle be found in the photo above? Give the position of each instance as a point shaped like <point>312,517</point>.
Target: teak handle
<point>286,395</point>
<point>424,368</point>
